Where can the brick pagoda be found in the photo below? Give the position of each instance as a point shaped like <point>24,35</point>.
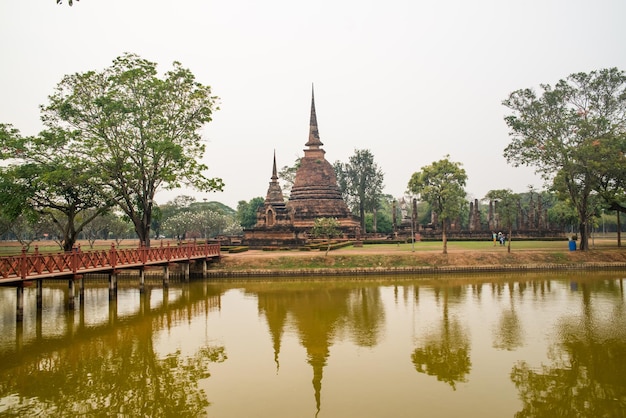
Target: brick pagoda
<point>315,194</point>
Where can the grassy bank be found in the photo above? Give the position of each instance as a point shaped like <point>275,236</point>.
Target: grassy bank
<point>425,254</point>
<point>381,256</point>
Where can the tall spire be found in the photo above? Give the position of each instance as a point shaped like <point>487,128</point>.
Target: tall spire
<point>274,172</point>
<point>314,135</point>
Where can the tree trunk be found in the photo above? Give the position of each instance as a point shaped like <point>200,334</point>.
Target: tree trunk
<point>362,215</point>
<point>508,247</point>
<point>444,237</point>
<point>143,233</point>
<point>619,230</point>
<point>584,239</point>
<point>374,223</point>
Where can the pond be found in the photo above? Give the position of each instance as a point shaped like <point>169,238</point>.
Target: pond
<point>540,345</point>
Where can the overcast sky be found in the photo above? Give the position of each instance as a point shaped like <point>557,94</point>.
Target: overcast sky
<point>409,80</point>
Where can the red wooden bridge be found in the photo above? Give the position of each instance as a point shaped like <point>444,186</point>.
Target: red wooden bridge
<point>35,266</point>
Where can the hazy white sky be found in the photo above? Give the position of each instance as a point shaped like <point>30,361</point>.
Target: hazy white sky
<point>409,80</point>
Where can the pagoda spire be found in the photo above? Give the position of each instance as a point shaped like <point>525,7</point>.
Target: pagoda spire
<point>274,191</point>
<point>274,172</point>
<point>314,135</point>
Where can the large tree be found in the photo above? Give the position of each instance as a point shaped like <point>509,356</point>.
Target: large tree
<point>442,185</point>
<point>574,134</point>
<point>45,177</point>
<point>140,130</point>
<point>361,183</point>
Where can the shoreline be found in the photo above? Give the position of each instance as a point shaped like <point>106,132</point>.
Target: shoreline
<point>391,271</point>
<point>355,262</point>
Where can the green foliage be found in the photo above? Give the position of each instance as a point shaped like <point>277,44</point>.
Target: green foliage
<point>506,205</point>
<point>246,211</point>
<point>288,175</point>
<point>45,177</point>
<point>141,132</point>
<point>119,227</point>
<point>184,218</point>
<point>361,183</point>
<point>575,137</point>
<point>441,184</point>
<point>327,228</point>
<point>383,222</point>
<point>217,207</point>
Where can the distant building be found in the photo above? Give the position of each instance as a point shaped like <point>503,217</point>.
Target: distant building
<point>314,194</point>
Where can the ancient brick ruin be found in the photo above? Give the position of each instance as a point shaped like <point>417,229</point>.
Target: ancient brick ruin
<point>531,221</point>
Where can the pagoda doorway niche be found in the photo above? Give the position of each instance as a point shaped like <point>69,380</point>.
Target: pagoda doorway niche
<point>270,217</point>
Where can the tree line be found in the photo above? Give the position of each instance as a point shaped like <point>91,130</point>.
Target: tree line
<point>113,138</point>
<point>572,133</point>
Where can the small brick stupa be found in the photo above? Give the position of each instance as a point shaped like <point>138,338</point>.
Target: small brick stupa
<point>314,194</point>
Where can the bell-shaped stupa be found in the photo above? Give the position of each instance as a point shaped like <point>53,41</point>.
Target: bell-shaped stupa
<point>314,194</point>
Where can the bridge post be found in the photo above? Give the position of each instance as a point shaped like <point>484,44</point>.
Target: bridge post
<point>39,294</point>
<point>81,286</point>
<point>23,269</point>
<point>71,293</point>
<point>113,256</point>
<point>19,303</point>
<point>112,285</point>
<point>186,271</point>
<point>19,336</point>
<point>204,268</point>
<point>39,324</point>
<point>112,307</point>
<point>166,275</point>
<point>142,279</point>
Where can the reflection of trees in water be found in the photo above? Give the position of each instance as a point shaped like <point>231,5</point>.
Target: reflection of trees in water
<point>587,377</point>
<point>118,374</point>
<point>365,317</point>
<point>111,371</point>
<point>508,335</point>
<point>321,313</point>
<point>445,353</point>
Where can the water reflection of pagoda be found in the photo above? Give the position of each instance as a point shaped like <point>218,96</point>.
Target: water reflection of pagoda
<point>318,317</point>
<point>315,194</point>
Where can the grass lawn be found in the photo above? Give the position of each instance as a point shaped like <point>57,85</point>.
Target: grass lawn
<point>14,247</point>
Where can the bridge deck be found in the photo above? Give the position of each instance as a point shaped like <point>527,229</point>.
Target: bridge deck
<point>41,266</point>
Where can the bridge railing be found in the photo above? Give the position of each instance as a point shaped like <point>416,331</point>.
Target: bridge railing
<point>30,265</point>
